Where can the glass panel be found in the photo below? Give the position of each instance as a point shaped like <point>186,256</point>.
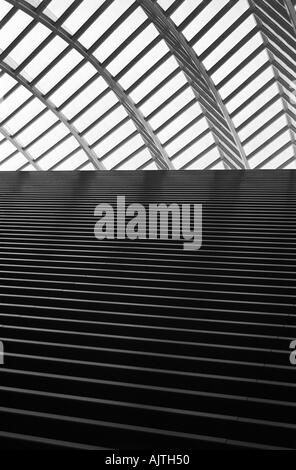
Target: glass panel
<point>13,163</point>
<point>105,20</point>
<point>11,30</point>
<point>5,7</point>
<point>59,71</point>
<point>121,33</point>
<point>45,57</point>
<point>133,49</point>
<point>73,162</point>
<point>31,41</point>
<point>56,8</point>
<point>258,94</point>
<point>26,114</point>
<point>82,13</point>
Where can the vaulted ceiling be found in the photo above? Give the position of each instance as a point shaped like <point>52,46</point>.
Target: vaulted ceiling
<point>140,84</point>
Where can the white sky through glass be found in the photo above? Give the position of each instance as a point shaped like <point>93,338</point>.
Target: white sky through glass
<point>55,105</point>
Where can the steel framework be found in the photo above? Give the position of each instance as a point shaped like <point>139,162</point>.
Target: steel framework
<point>140,84</point>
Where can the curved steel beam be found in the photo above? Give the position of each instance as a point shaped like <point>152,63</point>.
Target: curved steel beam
<point>153,143</point>
<point>192,67</point>
<point>20,149</point>
<point>292,12</point>
<point>49,105</point>
<point>273,63</point>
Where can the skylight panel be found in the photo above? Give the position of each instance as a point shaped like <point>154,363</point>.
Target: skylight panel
<point>290,57</point>
<point>263,117</point>
<point>279,124</point>
<point>255,82</point>
<point>180,122</point>
<point>144,64</point>
<point>123,151</point>
<point>5,7</point>
<point>203,18</point>
<point>6,84</point>
<point>39,126</point>
<point>87,166</point>
<point>133,49</point>
<point>287,38</point>
<point>6,149</point>
<point>115,138</point>
<point>10,31</point>
<point>194,150</point>
<point>30,42</point>
<point>241,76</point>
<point>164,93</point>
<point>72,162</point>
<point>235,59</point>
<point>85,97</point>
<point>48,140</point>
<point>121,33</point>
<point>105,125</point>
<point>247,92</point>
<point>291,106</point>
<point>82,13</point>
<point>288,67</point>
<point>261,7</point>
<point>56,8</point>
<point>34,3</point>
<point>280,160</point>
<point>269,149</point>
<point>60,70</point>
<point>234,38</point>
<point>13,101</point>
<point>24,115</point>
<point>105,20</point>
<point>276,12</point>
<point>73,84</point>
<point>186,137</point>
<point>96,111</point>
<point>206,160</point>
<point>289,165</point>
<point>151,166</point>
<point>154,79</point>
<point>165,4</point>
<point>225,22</point>
<point>171,108</point>
<point>45,57</point>
<point>13,163</point>
<point>217,166</point>
<point>135,162</point>
<point>184,10</point>
<point>58,153</point>
<point>256,104</point>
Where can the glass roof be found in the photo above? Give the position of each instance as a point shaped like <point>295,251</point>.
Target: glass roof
<point>141,84</point>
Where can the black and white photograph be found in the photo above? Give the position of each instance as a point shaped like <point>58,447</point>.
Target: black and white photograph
<point>147,228</point>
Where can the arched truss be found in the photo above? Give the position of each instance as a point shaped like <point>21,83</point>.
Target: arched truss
<point>19,149</point>
<point>37,94</point>
<point>151,140</point>
<point>291,10</point>
<point>233,62</point>
<point>201,83</point>
<point>270,20</point>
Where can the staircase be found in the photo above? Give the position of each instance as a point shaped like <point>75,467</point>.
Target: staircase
<point>139,344</point>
